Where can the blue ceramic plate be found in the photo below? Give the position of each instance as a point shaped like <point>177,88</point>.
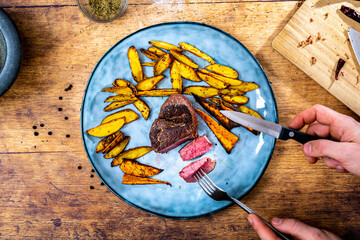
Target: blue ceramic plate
<point>237,172</point>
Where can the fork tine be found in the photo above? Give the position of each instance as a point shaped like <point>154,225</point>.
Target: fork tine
<point>208,179</point>
<point>204,185</point>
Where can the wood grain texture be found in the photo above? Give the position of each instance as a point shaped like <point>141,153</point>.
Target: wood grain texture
<point>44,194</point>
<point>324,20</point>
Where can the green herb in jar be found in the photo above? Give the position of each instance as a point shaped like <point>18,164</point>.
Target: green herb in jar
<point>105,9</point>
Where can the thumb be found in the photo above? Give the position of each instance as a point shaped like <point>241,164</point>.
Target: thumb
<point>324,148</point>
<point>295,228</point>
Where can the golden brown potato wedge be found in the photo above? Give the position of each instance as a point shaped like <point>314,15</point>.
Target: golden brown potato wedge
<point>224,105</point>
<point>115,105</point>
<point>106,141</point>
<point>202,91</point>
<point>227,80</point>
<point>213,82</point>
<point>149,64</point>
<point>231,92</point>
<point>245,86</point>
<point>164,92</point>
<point>119,90</point>
<point>124,83</point>
<point>118,148</point>
<point>133,167</point>
<point>149,83</point>
<point>143,108</point>
<point>187,72</point>
<point>176,79</point>
<point>113,143</point>
<point>225,137</point>
<point>249,111</point>
<point>184,59</point>
<point>106,129</point>
<point>165,45</point>
<point>156,50</point>
<point>240,100</point>
<point>162,64</point>
<point>214,110</point>
<point>120,98</point>
<point>132,153</point>
<point>196,52</point>
<point>223,70</point>
<point>135,64</point>
<point>134,180</point>
<point>149,55</point>
<point>129,115</point>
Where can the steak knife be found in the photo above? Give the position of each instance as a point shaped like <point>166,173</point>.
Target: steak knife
<point>355,42</point>
<point>267,127</point>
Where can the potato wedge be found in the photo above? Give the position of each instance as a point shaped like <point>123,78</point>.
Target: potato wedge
<point>213,82</point>
<point>133,167</point>
<point>132,153</point>
<point>249,111</point>
<point>106,141</point>
<point>120,98</point>
<point>118,148</point>
<point>245,86</point>
<point>227,80</point>
<point>175,76</point>
<point>196,52</point>
<point>214,110</point>
<point>224,105</point>
<point>162,64</point>
<point>115,105</point>
<point>129,115</point>
<point>223,70</point>
<point>143,108</point>
<point>149,55</point>
<point>165,45</point>
<point>184,59</point>
<point>134,180</point>
<point>156,50</point>
<point>106,129</point>
<point>149,64</point>
<point>225,137</point>
<point>202,91</point>
<point>149,83</point>
<point>188,72</point>
<point>135,64</point>
<point>240,100</point>
<point>231,92</point>
<point>113,143</point>
<point>119,90</point>
<point>124,83</point>
<point>157,92</point>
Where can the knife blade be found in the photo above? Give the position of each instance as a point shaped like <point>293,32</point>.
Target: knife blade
<point>267,127</point>
<point>355,42</point>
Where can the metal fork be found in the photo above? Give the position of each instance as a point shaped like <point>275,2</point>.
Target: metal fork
<point>218,194</point>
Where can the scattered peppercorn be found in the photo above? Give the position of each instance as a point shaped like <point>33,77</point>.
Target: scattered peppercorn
<point>41,125</point>
<point>91,187</point>
<point>60,98</point>
<point>34,127</point>
<point>60,109</point>
<point>36,133</point>
<point>67,135</point>
<point>66,118</point>
<point>50,133</point>
<point>79,167</point>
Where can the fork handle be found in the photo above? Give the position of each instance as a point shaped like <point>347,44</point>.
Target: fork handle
<point>248,210</point>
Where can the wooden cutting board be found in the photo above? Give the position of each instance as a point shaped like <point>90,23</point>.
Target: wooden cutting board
<point>327,26</point>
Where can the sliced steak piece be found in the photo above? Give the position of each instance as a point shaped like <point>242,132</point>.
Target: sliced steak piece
<point>176,124</point>
<point>206,164</point>
<point>195,148</point>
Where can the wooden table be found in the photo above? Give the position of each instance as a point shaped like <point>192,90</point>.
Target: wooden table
<point>47,187</point>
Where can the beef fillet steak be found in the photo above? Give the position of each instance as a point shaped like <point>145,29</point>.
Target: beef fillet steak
<point>176,124</point>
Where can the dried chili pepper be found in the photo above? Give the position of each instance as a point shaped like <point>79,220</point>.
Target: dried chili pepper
<point>351,13</point>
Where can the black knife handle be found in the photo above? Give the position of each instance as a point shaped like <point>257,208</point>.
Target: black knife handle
<point>288,133</point>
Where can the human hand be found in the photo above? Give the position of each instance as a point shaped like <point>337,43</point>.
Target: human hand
<point>343,150</point>
<point>291,227</point>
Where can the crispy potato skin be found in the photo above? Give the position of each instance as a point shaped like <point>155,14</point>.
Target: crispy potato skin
<point>175,76</point>
<point>188,72</point>
<point>224,105</point>
<point>134,180</point>
<point>235,99</point>
<point>245,86</point>
<point>149,83</point>
<point>129,115</point>
<point>107,129</point>
<point>120,98</point>
<point>113,143</point>
<point>230,81</point>
<point>196,52</point>
<point>143,108</point>
<point>115,151</point>
<point>149,64</point>
<point>115,105</point>
<point>149,55</point>
<point>162,64</point>
<point>225,137</point>
<point>184,59</point>
<point>106,141</point>
<point>223,70</point>
<point>213,82</point>
<point>135,168</point>
<point>165,92</point>
<point>135,64</point>
<point>165,45</point>
<point>156,50</point>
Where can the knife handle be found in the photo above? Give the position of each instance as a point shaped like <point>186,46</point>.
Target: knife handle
<point>288,133</point>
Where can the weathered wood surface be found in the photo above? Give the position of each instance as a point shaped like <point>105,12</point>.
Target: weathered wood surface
<point>44,194</point>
